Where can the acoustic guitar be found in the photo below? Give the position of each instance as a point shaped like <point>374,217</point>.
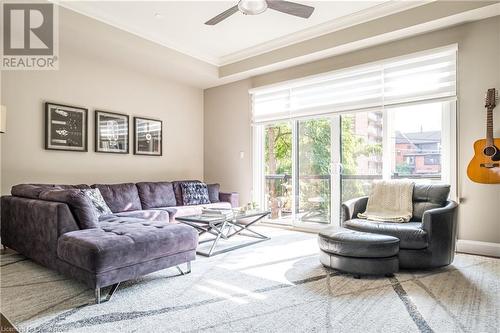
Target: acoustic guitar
<point>484,167</point>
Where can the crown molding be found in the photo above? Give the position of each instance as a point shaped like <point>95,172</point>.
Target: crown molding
<point>435,15</point>
<point>202,57</point>
<point>254,71</point>
<point>359,17</point>
<point>350,20</point>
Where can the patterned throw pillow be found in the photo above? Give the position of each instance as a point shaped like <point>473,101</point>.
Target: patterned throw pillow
<point>194,193</point>
<point>95,197</point>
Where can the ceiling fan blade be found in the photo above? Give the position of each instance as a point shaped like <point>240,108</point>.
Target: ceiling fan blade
<point>222,16</point>
<point>291,8</point>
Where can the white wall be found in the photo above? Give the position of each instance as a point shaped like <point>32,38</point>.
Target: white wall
<point>227,134</point>
<point>97,83</point>
<point>478,69</point>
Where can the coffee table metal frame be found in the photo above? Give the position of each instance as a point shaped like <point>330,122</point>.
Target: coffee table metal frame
<point>225,228</point>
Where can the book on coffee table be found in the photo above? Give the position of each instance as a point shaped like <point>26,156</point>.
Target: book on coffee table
<point>227,213</point>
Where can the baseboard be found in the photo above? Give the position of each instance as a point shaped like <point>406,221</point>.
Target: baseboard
<point>476,247</point>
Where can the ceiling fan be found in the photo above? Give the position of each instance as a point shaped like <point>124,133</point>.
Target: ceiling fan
<point>254,7</point>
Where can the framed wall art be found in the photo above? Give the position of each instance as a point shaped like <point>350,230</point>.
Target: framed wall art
<point>66,127</point>
<point>148,136</point>
<point>111,132</point>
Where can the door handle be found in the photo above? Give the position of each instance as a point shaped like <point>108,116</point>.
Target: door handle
<point>337,168</point>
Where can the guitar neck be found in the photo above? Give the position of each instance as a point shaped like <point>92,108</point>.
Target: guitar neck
<point>489,127</point>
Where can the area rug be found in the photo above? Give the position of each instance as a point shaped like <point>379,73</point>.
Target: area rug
<point>274,286</point>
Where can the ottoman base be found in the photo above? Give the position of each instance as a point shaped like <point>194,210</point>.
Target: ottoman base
<point>360,266</point>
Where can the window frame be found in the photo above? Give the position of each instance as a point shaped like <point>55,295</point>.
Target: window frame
<point>448,159</point>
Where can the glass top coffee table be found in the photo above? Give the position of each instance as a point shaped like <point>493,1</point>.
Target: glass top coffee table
<point>222,227</point>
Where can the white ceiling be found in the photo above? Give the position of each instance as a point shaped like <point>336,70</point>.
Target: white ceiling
<point>180,24</point>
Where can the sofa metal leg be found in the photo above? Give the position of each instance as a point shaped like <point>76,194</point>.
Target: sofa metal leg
<point>99,300</point>
<point>97,295</point>
<point>188,269</point>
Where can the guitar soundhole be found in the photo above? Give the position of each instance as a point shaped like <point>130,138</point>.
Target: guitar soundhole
<point>490,151</point>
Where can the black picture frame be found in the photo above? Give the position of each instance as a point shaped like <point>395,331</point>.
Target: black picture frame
<point>121,140</point>
<point>66,127</point>
<point>140,141</point>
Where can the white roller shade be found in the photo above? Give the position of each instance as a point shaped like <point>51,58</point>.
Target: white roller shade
<point>421,78</point>
<point>404,80</point>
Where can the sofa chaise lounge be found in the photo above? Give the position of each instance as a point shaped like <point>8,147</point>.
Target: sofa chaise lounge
<point>44,223</point>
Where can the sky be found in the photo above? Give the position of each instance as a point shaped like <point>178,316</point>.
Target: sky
<point>426,117</point>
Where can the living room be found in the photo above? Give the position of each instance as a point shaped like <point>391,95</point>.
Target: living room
<point>262,166</point>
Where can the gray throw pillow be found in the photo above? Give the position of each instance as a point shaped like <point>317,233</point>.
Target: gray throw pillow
<point>213,192</point>
<point>194,193</point>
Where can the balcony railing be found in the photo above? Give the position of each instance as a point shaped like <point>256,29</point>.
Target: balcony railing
<point>315,191</point>
<point>285,177</point>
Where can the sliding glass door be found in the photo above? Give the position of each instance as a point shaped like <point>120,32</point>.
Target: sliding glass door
<point>311,165</point>
<point>297,158</point>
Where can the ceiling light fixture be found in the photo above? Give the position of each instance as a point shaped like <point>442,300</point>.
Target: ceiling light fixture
<point>158,15</point>
<point>252,7</point>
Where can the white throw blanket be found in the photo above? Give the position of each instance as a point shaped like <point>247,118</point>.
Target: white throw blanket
<point>390,200</point>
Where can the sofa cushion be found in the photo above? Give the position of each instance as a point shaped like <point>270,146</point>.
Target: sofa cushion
<point>78,203</point>
<point>179,211</point>
<point>123,243</point>
<point>32,191</point>
<point>428,196</point>
<point>27,191</point>
<point>178,190</point>
<point>120,197</point>
<point>233,198</point>
<point>156,194</point>
<point>410,234</point>
<point>148,215</point>
<point>213,192</point>
<point>194,193</point>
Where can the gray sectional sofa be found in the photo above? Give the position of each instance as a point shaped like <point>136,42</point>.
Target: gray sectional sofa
<point>53,226</point>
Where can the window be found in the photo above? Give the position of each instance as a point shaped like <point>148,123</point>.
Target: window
<point>361,143</point>
<point>323,140</point>
<point>410,160</point>
<point>416,135</point>
<point>432,159</point>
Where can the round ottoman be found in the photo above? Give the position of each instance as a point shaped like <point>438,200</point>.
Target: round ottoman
<point>359,253</point>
